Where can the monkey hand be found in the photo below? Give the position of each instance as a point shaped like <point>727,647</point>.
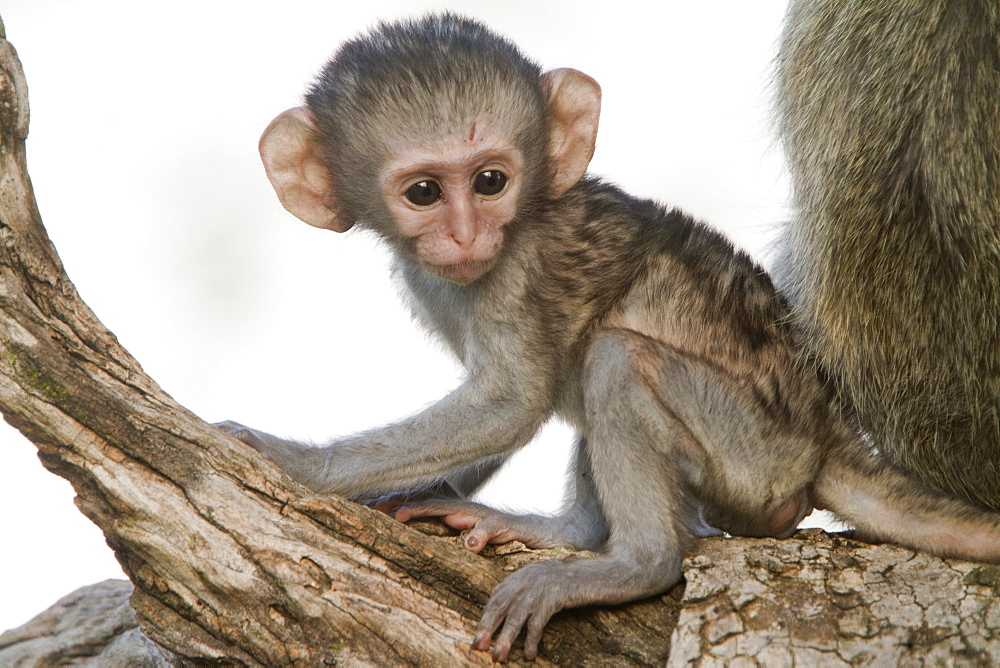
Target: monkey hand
<point>529,597</point>
<point>294,458</point>
<point>489,525</point>
<point>256,439</point>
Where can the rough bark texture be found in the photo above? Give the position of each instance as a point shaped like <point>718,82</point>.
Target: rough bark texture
<point>232,563</point>
<point>94,626</point>
<point>826,600</point>
<point>815,600</point>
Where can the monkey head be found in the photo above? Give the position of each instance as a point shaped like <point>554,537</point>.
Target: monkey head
<point>437,155</point>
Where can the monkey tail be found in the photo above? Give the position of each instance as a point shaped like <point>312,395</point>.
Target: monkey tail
<point>885,504</point>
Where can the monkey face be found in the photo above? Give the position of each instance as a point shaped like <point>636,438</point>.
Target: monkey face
<point>453,195</point>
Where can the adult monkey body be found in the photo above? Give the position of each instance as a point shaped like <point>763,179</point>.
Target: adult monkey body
<point>668,351</point>
<point>890,113</point>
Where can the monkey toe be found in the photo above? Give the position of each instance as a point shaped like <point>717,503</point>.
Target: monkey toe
<point>527,599</point>
<point>456,514</point>
<point>497,528</point>
<point>477,540</point>
<point>389,505</point>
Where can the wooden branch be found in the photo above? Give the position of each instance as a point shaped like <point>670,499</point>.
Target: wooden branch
<point>232,561</point>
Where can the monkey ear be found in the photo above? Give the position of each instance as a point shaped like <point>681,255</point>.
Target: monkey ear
<point>574,109</point>
<point>293,166</point>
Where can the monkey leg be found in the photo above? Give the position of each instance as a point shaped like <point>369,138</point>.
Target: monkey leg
<point>580,526</point>
<point>389,503</point>
<point>629,441</point>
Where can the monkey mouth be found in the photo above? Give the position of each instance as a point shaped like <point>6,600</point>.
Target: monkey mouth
<point>462,273</point>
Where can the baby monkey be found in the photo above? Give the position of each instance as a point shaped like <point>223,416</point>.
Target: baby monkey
<point>670,352</point>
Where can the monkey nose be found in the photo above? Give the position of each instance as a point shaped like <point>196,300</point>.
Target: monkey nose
<point>460,222</point>
<point>465,242</point>
<point>462,230</point>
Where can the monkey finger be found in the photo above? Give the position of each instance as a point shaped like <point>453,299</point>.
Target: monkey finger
<point>242,433</point>
<point>463,513</point>
<point>501,652</point>
<point>536,624</point>
<point>516,618</point>
<point>493,615</point>
<point>233,428</point>
<point>481,641</point>
<point>512,602</point>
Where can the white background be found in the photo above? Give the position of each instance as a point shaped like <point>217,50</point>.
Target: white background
<point>144,125</point>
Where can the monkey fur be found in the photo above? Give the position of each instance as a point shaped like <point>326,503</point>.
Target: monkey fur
<point>890,116</point>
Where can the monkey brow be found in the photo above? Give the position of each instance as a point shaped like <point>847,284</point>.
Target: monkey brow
<point>431,161</point>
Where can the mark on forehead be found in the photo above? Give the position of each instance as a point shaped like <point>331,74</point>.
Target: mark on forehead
<point>472,132</point>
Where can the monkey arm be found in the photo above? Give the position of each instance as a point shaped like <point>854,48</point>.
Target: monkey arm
<point>661,425</point>
<point>463,437</point>
<point>477,420</point>
<point>457,486</point>
<point>466,481</point>
<point>630,449</point>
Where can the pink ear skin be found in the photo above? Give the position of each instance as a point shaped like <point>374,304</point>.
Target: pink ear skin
<point>301,181</point>
<point>574,109</point>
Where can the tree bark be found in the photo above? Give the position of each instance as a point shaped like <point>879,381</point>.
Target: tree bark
<point>827,600</point>
<point>233,563</point>
<point>93,626</point>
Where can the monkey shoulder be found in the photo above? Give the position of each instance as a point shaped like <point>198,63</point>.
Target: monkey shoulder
<point>652,241</point>
<point>661,272</point>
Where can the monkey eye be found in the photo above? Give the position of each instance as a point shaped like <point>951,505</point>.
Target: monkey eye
<point>424,193</point>
<point>490,182</point>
